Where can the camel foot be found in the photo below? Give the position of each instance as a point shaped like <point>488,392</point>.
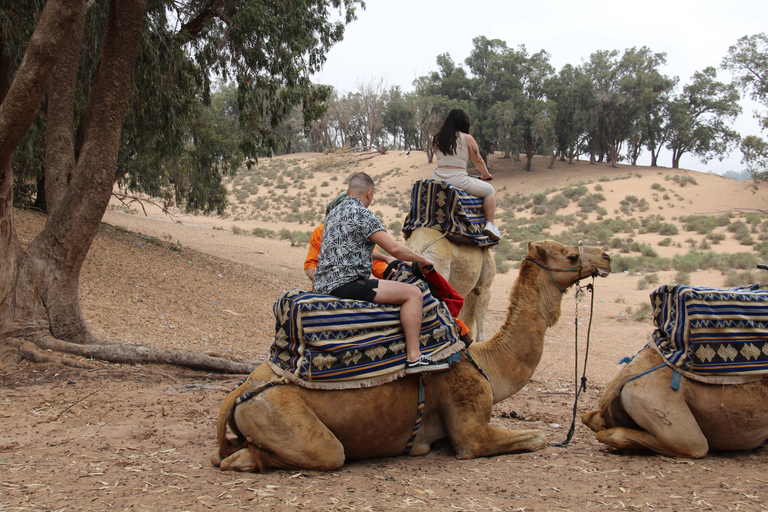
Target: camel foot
<point>594,420</point>
<point>241,460</point>
<point>216,459</point>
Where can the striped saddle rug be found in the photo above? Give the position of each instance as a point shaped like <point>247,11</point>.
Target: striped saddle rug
<point>711,331</point>
<point>323,342</point>
<point>438,205</point>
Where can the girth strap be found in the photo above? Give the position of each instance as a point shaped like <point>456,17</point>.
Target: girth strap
<point>419,415</point>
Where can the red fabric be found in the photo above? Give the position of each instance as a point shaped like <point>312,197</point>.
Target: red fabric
<point>452,299</point>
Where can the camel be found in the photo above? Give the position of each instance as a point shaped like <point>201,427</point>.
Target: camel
<point>643,412</point>
<point>285,425</point>
<point>468,268</point>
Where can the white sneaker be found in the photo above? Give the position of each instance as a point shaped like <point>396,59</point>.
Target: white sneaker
<point>492,231</point>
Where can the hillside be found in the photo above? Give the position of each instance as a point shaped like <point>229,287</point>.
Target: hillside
<point>638,212</point>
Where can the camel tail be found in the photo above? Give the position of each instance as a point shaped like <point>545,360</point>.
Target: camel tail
<point>229,446</point>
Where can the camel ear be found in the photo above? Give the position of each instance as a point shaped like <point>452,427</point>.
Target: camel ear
<point>530,246</point>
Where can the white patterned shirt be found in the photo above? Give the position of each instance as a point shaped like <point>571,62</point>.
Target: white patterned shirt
<point>346,253</point>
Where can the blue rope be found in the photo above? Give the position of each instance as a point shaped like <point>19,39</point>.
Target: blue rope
<point>676,379</point>
<point>419,415</point>
<point>662,365</point>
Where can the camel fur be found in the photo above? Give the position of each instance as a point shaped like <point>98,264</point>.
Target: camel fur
<point>468,268</point>
<point>646,413</point>
<point>293,427</point>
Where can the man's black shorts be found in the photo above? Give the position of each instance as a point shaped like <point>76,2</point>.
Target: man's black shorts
<point>362,289</point>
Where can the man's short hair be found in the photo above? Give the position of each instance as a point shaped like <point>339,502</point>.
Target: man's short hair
<point>360,183</point>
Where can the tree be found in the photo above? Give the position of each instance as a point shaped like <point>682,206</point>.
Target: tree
<point>399,119</point>
<point>700,116</point>
<point>372,100</point>
<point>270,47</point>
<point>747,60</point>
<point>571,90</point>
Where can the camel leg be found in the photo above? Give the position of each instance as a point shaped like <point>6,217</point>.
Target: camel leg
<point>284,432</point>
<point>468,316</point>
<point>669,427</point>
<point>477,301</point>
<point>466,420</point>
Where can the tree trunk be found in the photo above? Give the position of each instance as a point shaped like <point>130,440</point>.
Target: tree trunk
<point>39,286</point>
<point>59,142</point>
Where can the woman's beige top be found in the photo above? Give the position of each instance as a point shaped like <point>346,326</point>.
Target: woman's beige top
<point>459,159</point>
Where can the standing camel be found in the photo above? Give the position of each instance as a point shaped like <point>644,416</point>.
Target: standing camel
<point>293,427</point>
<point>468,268</point>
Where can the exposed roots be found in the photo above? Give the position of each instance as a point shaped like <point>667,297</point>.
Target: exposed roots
<point>47,349</point>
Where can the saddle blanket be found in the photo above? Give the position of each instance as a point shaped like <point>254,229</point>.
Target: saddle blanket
<point>323,342</point>
<point>712,331</point>
<point>438,205</point>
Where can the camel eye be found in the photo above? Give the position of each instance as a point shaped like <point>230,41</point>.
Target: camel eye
<point>574,258</point>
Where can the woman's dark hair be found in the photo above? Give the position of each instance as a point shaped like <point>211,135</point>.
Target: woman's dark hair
<point>445,139</point>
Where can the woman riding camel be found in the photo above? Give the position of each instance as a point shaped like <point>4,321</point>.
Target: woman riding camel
<point>454,146</point>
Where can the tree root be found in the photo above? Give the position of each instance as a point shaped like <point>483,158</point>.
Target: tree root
<point>47,349</point>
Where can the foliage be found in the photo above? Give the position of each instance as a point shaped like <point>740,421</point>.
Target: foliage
<point>747,60</point>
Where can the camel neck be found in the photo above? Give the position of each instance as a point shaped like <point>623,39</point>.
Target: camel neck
<point>511,356</point>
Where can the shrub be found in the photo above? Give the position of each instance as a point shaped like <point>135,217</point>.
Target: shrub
<point>683,278</point>
<point>574,193</point>
<point>643,313</point>
<point>395,227</point>
<point>263,233</point>
<point>733,278</point>
<point>589,202</point>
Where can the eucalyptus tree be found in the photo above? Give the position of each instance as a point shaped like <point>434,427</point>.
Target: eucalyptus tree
<point>496,72</point>
<point>108,57</point>
<point>572,91</point>
<point>618,87</point>
<point>372,99</point>
<point>399,118</point>
<point>700,118</point>
<point>747,60</point>
<point>536,113</point>
<point>651,91</point>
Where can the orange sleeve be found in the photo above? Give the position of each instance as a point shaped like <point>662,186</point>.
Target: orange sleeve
<point>314,247</point>
<point>378,268</point>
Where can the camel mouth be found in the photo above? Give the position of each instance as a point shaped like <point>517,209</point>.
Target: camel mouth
<point>600,272</point>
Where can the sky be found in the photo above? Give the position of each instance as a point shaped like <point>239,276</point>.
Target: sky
<point>399,40</point>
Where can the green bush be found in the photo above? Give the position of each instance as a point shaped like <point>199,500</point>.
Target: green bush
<point>539,198</point>
<point>643,313</point>
<point>733,278</point>
<point>574,193</point>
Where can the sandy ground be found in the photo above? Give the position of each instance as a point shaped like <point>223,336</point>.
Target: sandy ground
<point>140,438</point>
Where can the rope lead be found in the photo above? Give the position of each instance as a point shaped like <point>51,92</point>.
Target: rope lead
<point>582,384</point>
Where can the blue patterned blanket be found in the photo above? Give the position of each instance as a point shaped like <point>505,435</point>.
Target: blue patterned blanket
<point>712,331</point>
<point>436,204</point>
<point>324,342</point>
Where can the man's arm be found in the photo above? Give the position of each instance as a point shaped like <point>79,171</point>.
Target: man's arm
<point>396,249</point>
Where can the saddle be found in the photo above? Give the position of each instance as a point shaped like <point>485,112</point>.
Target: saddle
<point>455,212</point>
<point>323,342</point>
<point>710,331</point>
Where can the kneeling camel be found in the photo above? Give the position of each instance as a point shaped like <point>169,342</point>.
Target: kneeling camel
<point>641,411</point>
<point>292,427</point>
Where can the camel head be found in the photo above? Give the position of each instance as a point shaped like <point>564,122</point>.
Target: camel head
<point>568,263</point>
